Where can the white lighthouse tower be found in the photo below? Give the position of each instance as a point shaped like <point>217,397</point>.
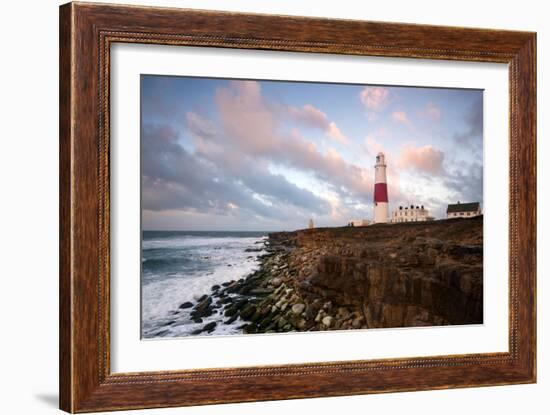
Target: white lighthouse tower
<point>381,208</point>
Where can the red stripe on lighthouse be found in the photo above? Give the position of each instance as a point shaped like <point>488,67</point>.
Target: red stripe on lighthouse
<point>380,192</point>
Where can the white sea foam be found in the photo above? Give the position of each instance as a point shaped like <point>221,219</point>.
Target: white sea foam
<point>219,260</point>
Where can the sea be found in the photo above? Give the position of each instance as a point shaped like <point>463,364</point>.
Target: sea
<point>180,266</point>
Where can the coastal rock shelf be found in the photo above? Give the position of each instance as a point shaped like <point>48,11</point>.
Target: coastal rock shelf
<point>399,275</point>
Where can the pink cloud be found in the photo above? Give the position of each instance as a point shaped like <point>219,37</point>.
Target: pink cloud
<point>335,133</point>
<point>372,146</point>
<point>425,159</point>
<point>248,131</point>
<point>315,118</point>
<point>400,117</point>
<point>374,98</point>
<point>432,111</point>
<point>309,115</point>
<point>245,118</point>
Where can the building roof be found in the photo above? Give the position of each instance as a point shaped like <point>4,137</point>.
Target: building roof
<point>463,207</point>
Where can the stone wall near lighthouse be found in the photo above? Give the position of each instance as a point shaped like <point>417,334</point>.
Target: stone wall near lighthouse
<point>381,208</point>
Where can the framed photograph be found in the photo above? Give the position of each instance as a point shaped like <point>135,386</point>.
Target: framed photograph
<point>258,207</point>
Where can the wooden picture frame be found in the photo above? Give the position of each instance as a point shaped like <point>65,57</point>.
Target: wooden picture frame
<point>86,33</point>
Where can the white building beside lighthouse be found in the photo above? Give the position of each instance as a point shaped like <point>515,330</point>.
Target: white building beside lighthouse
<point>411,213</point>
<point>381,207</point>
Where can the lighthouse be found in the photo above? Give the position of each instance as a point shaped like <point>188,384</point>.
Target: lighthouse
<point>381,209</point>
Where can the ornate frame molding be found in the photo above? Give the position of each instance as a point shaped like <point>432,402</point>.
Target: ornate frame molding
<point>86,33</point>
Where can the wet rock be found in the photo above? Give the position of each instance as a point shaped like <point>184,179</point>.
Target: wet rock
<point>256,317</point>
<point>265,322</point>
<point>245,289</point>
<point>233,287</point>
<point>203,304</point>
<point>248,311</point>
<point>240,303</point>
<point>230,311</point>
<point>231,319</point>
<point>205,313</point>
<point>203,308</point>
<point>260,291</point>
<point>187,304</point>
<point>249,329</point>
<point>209,327</point>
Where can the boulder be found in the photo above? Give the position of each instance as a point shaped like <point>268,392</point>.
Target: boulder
<point>298,308</point>
<point>209,327</point>
<point>275,282</point>
<point>203,308</point>
<point>328,321</point>
<point>248,311</point>
<point>231,319</point>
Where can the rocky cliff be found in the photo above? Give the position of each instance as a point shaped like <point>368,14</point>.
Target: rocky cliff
<point>398,275</point>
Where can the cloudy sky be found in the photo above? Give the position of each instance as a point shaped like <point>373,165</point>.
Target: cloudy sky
<point>263,155</point>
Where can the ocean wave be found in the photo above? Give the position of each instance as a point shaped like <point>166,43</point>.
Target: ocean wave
<point>193,241</point>
<point>182,269</point>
